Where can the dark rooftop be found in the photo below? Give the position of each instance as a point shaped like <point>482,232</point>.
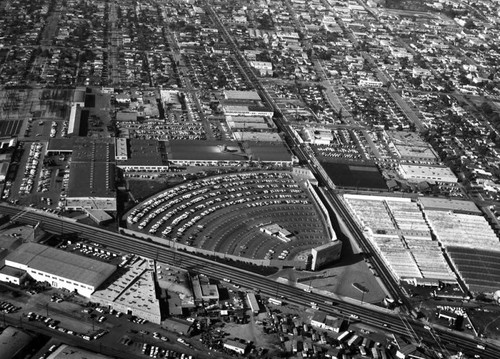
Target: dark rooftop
<point>61,144</point>
<point>145,153</point>
<point>269,151</point>
<point>95,149</point>
<point>91,179</point>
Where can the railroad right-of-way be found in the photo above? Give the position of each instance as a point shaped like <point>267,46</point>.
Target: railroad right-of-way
<point>378,317</point>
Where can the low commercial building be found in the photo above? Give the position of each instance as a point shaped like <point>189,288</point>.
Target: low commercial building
<point>59,268</point>
<point>58,146</point>
<point>203,290</point>
<point>257,136</point>
<point>91,186</point>
<point>179,326</point>
<point>235,346</point>
<point>317,136</point>
<point>416,173</point>
<point>79,96</point>
<point>449,316</point>
<point>277,231</point>
<point>253,303</point>
<point>274,153</point>
<point>265,68</point>
<point>249,123</point>
<point>411,147</point>
<point>370,83</point>
<point>69,352</point>
<point>408,351</point>
<point>132,291</point>
<point>136,155</point>
<point>98,216</point>
<point>226,153</point>
<point>74,119</point>
<point>121,151</point>
<point>324,321</point>
<point>244,103</point>
<point>234,95</point>
<point>92,175</point>
<point>127,116</point>
<point>246,110</point>
<point>12,275</point>
<point>170,99</point>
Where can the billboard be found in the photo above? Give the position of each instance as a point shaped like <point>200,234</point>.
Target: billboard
<point>325,254</point>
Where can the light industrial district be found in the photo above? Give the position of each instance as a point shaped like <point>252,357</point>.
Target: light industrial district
<point>211,179</point>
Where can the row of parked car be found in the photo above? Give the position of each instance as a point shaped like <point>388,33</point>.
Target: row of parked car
<point>54,324</point>
<point>31,168</point>
<point>7,307</point>
<point>154,351</point>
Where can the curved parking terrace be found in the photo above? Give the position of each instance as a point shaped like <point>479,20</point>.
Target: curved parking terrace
<point>224,213</point>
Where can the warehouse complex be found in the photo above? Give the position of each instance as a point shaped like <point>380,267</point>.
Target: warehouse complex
<point>59,268</point>
<point>226,153</point>
<point>411,147</point>
<point>416,237</point>
<point>400,234</point>
<point>95,162</point>
<point>140,155</point>
<point>419,173</point>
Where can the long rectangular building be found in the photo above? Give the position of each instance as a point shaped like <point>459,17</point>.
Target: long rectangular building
<point>226,153</point>
<point>252,302</point>
<point>59,268</point>
<point>92,175</point>
<point>417,173</point>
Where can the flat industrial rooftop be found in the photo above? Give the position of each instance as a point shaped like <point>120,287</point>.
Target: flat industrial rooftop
<point>355,176</point>
<point>480,269</point>
<point>204,150</point>
<point>61,263</point>
<point>226,151</point>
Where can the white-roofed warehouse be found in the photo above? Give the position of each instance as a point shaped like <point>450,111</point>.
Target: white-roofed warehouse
<point>60,268</point>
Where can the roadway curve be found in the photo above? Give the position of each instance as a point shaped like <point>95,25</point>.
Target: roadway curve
<point>378,317</point>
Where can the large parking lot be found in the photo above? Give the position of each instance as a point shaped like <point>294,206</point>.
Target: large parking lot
<point>225,214</point>
<point>37,180</point>
<point>68,317</point>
